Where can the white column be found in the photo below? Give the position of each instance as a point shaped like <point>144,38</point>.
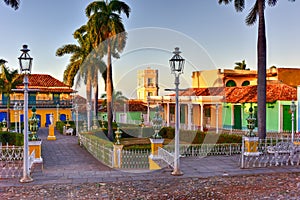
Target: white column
<point>201,117</point>
<point>217,118</point>
<point>190,107</point>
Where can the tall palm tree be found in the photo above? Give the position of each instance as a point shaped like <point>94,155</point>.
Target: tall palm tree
<point>118,99</point>
<point>13,3</point>
<point>258,10</point>
<point>240,65</point>
<point>9,79</point>
<point>107,32</point>
<point>85,63</point>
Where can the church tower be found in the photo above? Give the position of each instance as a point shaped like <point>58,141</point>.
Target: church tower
<point>147,83</point>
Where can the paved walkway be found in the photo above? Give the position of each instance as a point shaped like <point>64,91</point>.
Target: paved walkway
<point>66,162</point>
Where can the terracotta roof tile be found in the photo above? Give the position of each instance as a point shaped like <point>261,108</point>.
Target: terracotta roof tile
<point>245,94</point>
<point>46,83</point>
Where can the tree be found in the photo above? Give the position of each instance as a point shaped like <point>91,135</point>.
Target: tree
<point>83,62</point>
<point>240,65</point>
<point>9,79</point>
<point>107,33</point>
<point>118,99</point>
<point>13,3</point>
<point>258,10</point>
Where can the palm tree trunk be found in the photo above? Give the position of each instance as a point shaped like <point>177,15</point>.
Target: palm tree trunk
<point>88,106</point>
<point>261,70</point>
<point>96,102</point>
<point>109,93</point>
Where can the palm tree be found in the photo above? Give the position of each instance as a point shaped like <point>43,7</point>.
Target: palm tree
<point>240,65</point>
<point>13,3</point>
<point>118,99</point>
<point>107,33</point>
<point>85,62</point>
<point>9,79</point>
<point>258,10</point>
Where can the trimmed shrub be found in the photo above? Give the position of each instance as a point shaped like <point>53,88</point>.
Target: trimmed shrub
<point>11,138</point>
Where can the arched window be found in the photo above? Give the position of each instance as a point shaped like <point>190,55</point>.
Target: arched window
<point>230,83</point>
<point>245,83</point>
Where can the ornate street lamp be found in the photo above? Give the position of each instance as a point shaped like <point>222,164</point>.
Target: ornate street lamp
<point>157,124</point>
<point>176,64</point>
<point>20,124</point>
<point>293,109</point>
<point>25,67</point>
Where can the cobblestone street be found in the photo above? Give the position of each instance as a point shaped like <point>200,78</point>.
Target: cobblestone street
<point>69,172</point>
<point>263,186</point>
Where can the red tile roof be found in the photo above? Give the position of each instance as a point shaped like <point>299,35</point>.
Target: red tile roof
<point>46,83</point>
<point>245,94</point>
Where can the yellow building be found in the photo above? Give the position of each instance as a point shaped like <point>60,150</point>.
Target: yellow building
<point>223,77</point>
<point>147,83</point>
<point>47,94</point>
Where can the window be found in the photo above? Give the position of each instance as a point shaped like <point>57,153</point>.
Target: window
<point>230,83</point>
<point>245,83</point>
<point>150,82</point>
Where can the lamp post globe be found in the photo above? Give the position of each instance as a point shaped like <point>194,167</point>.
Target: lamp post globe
<point>25,62</point>
<point>177,65</point>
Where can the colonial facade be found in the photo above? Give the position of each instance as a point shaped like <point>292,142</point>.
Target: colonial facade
<point>220,99</point>
<point>47,94</point>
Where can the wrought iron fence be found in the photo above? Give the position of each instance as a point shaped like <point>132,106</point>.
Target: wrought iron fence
<point>135,159</point>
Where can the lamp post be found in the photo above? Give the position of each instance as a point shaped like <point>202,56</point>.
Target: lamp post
<point>176,64</point>
<point>293,109</point>
<point>25,67</point>
<point>20,124</point>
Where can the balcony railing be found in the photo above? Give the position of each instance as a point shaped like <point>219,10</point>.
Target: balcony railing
<point>39,104</point>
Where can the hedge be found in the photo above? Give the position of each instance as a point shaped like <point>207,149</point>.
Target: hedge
<point>198,137</point>
<point>11,138</point>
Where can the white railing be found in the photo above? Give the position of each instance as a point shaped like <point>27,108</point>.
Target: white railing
<point>98,150</point>
<point>31,160</point>
<point>11,158</point>
<point>272,152</point>
<point>166,156</point>
<point>193,150</point>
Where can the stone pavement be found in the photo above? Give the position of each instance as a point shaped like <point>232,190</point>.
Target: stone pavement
<point>65,162</point>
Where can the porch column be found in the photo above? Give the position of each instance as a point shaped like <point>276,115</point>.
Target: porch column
<point>201,117</point>
<point>217,118</point>
<point>190,107</point>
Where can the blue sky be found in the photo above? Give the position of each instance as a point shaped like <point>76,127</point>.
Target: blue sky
<point>210,36</point>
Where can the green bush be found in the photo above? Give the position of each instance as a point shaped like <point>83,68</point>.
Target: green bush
<point>198,137</point>
<point>11,138</point>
